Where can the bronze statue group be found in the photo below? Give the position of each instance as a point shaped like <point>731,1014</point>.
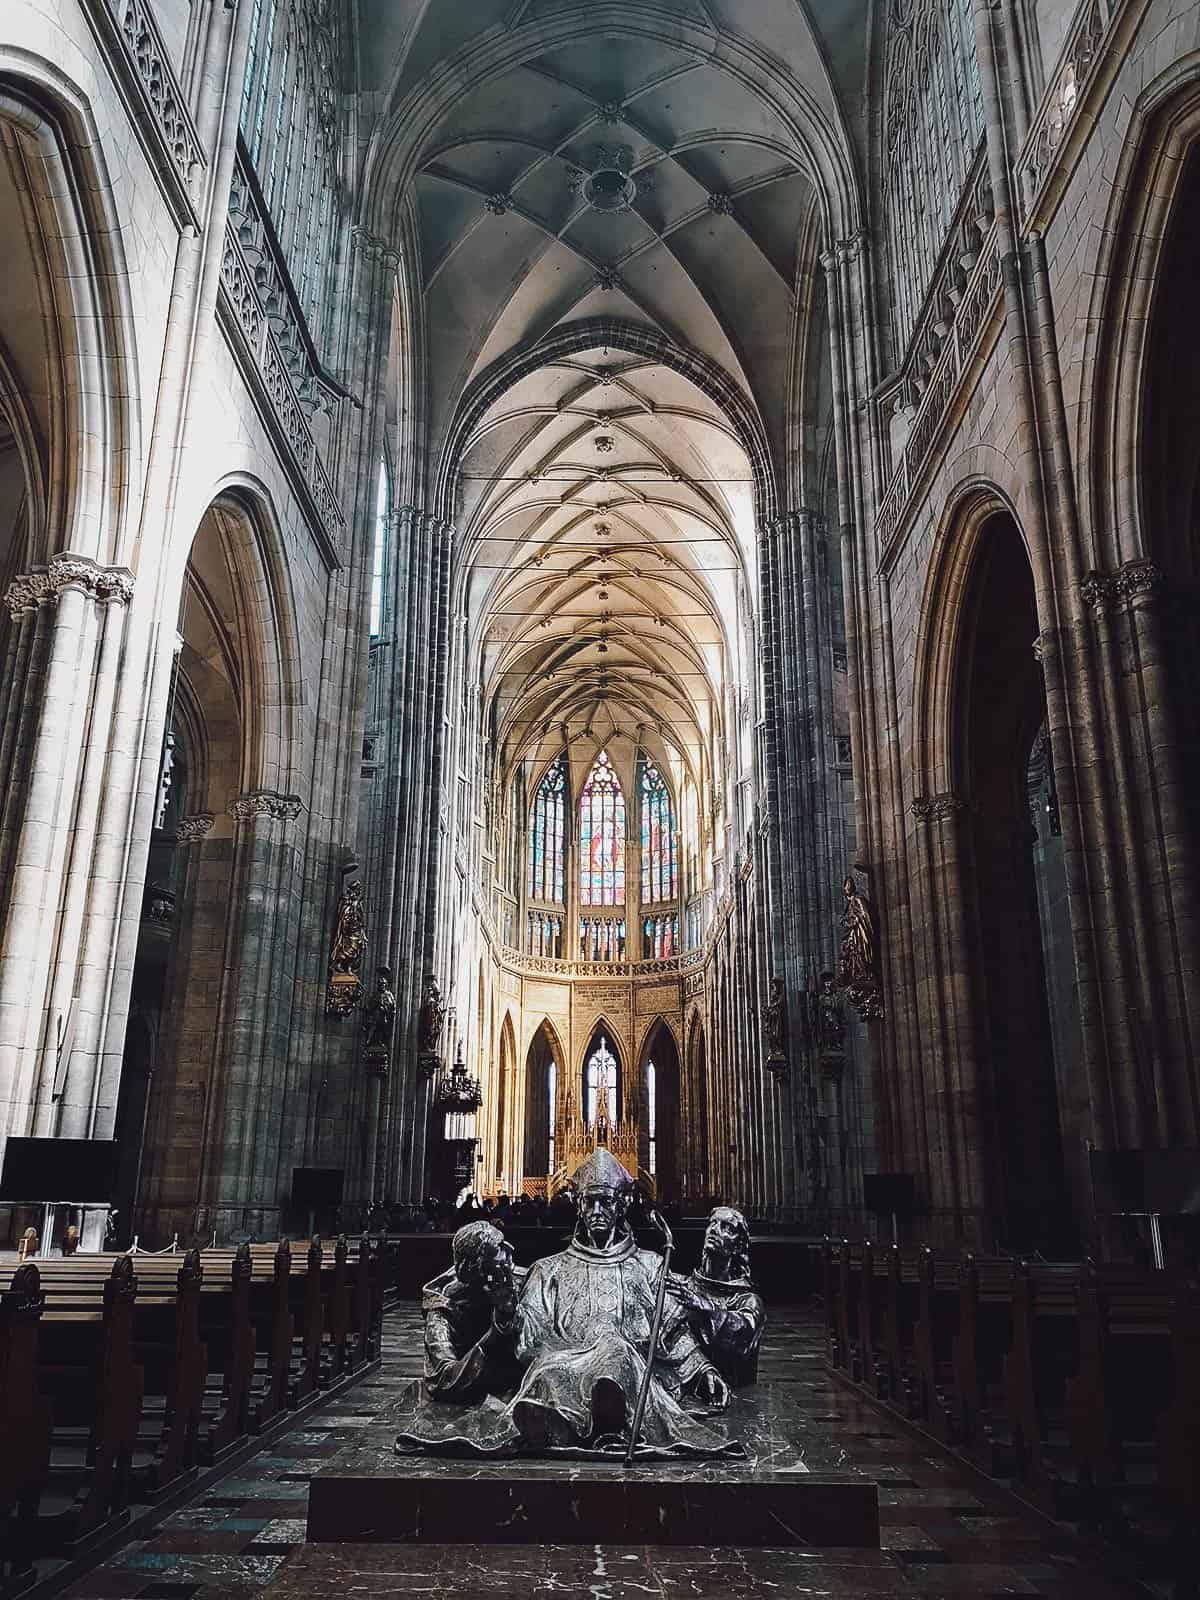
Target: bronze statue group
<point>597,1351</point>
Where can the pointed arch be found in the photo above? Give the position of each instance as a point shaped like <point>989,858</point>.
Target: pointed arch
<point>544,1077</point>
<point>75,359</point>
<point>696,1172</point>
<point>610,333</point>
<point>505,1090</point>
<point>237,573</point>
<point>604,1037</point>
<point>660,1122</point>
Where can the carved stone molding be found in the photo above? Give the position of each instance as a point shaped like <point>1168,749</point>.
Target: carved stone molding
<point>106,584</point>
<point>937,807</point>
<point>1096,591</point>
<point>265,803</point>
<point>27,591</point>
<point>1101,591</point>
<point>373,247</point>
<point>192,830</point>
<point>1138,578</point>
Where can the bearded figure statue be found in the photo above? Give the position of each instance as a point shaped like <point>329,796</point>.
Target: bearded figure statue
<point>726,1311</point>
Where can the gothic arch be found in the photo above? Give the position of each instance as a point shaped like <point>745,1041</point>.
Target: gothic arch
<point>1163,129</point>
<point>246,569</point>
<point>936,755</point>
<point>632,339</point>
<point>985,1118</point>
<point>80,381</point>
<point>696,1168</point>
<point>506,1099</point>
<point>543,1051</point>
<point>29,514</point>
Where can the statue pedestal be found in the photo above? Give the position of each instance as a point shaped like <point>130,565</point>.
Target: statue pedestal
<point>781,1494</point>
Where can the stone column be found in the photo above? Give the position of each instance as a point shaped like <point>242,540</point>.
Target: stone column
<point>240,1179</point>
<point>68,627</point>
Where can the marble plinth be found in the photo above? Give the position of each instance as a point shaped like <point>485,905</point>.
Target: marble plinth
<point>792,1489</point>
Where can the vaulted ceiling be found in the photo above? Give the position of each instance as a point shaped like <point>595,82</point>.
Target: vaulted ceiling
<point>658,168</point>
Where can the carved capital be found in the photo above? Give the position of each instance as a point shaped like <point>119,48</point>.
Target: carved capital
<point>937,807</point>
<point>192,830</point>
<point>1138,578</point>
<point>1096,591</point>
<point>115,585</point>
<point>106,584</point>
<point>25,593</point>
<point>265,803</point>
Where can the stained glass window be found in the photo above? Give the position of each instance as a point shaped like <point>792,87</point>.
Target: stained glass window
<point>660,936</point>
<point>659,870</point>
<point>379,551</point>
<point>934,128</point>
<point>546,836</point>
<point>602,837</point>
<point>601,1084</point>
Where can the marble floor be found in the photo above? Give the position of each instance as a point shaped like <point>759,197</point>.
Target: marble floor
<point>943,1536</point>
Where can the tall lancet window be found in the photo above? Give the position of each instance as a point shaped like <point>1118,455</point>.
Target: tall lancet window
<point>660,879</point>
<point>602,837</point>
<point>547,836</point>
<point>601,1084</point>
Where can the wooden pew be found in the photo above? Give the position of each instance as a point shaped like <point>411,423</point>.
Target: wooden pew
<point>870,1304</point>
<point>236,1365</point>
<point>1178,1430</point>
<point>144,1367</point>
<point>849,1277</point>
<point>1122,1380</point>
<point>337,1314</point>
<point>934,1333</point>
<point>87,1370</point>
<point>1043,1354</point>
<point>829,1294</point>
<point>276,1323</point>
<point>24,1425</point>
<point>979,1347</point>
<point>175,1454</point>
<point>901,1308</point>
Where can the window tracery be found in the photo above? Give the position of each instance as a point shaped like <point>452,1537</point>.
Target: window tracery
<point>933,129</point>
<point>602,837</point>
<point>547,836</point>
<point>601,1085</point>
<point>379,552</point>
<point>289,127</point>
<point>660,879</point>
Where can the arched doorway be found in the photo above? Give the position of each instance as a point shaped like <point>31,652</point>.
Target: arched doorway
<point>1017,926</point>
<point>659,1125</point>
<point>541,1107</point>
